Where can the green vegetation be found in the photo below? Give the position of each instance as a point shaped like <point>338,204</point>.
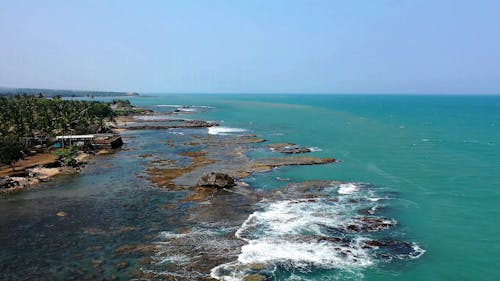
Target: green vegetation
<point>28,120</point>
<point>67,156</point>
<point>125,108</point>
<point>10,149</point>
<point>60,93</point>
<point>121,103</point>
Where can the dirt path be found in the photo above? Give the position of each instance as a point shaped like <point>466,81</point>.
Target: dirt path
<point>28,162</point>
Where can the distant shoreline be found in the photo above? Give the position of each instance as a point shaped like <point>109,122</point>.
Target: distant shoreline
<point>5,91</point>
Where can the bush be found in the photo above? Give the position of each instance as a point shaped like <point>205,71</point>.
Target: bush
<point>10,149</point>
<point>67,156</point>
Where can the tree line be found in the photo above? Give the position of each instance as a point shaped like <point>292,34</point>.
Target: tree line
<point>29,120</point>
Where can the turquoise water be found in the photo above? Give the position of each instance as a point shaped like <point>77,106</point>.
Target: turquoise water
<point>439,154</point>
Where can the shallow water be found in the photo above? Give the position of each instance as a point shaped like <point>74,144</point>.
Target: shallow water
<point>436,157</point>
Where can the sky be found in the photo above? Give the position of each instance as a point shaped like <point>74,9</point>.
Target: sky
<point>254,46</point>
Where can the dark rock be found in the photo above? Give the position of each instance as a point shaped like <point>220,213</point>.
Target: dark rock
<point>288,148</point>
<point>121,265</point>
<point>370,224</point>
<point>8,182</point>
<point>219,180</point>
<point>374,243</point>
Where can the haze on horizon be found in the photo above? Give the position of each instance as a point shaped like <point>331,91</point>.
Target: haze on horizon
<point>387,46</point>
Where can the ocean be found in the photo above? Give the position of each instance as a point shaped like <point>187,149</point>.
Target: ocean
<point>432,160</point>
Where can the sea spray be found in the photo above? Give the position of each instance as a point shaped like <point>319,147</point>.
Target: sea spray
<point>309,230</point>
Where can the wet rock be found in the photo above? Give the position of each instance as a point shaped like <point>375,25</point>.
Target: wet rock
<point>258,266</point>
<point>329,239</point>
<point>255,277</point>
<point>366,211</point>
<point>128,249</point>
<point>170,206</point>
<point>183,124</point>
<point>125,249</point>
<point>374,243</point>
<point>290,161</point>
<point>8,182</point>
<point>375,224</point>
<point>146,249</point>
<point>218,180</point>
<point>61,214</point>
<point>145,261</point>
<point>146,155</point>
<point>288,148</point>
<point>126,229</point>
<point>121,265</point>
<point>389,249</point>
<point>370,224</point>
<point>97,263</point>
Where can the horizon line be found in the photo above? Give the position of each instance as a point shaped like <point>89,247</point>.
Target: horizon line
<point>254,93</point>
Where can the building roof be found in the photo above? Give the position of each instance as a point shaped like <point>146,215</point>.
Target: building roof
<point>93,136</point>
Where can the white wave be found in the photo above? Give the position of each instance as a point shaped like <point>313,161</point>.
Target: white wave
<point>292,234</point>
<point>216,130</point>
<point>170,235</point>
<point>204,106</point>
<point>418,251</point>
<point>186,109</point>
<point>177,259</point>
<point>301,255</point>
<point>293,217</point>
<point>154,117</point>
<point>315,149</point>
<point>185,106</point>
<point>347,188</point>
<point>278,235</point>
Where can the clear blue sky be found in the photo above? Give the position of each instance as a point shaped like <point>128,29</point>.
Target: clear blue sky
<point>372,46</point>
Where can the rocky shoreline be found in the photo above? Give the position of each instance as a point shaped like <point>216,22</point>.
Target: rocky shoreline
<point>212,169</point>
<point>30,177</point>
<point>219,225</point>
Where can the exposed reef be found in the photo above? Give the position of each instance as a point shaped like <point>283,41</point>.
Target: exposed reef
<point>288,148</point>
<point>177,124</point>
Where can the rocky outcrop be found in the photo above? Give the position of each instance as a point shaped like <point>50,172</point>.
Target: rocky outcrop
<point>218,180</point>
<point>8,182</point>
<point>369,224</point>
<point>10,185</point>
<point>267,164</point>
<point>288,148</point>
<point>182,124</point>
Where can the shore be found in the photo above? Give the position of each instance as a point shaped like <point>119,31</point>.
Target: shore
<point>31,171</point>
<point>196,214</point>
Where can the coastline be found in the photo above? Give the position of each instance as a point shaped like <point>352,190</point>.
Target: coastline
<point>204,190</point>
<point>33,172</point>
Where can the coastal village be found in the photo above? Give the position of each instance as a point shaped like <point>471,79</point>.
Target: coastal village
<point>34,156</point>
<point>69,153</point>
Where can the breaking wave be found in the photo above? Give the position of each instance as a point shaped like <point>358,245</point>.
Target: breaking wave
<point>216,130</point>
<point>300,235</point>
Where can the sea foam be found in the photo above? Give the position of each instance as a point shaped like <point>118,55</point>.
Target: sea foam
<point>348,188</point>
<point>302,235</point>
<point>216,130</point>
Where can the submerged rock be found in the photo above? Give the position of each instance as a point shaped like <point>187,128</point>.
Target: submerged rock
<point>255,277</point>
<point>121,265</point>
<point>219,180</point>
<point>61,214</point>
